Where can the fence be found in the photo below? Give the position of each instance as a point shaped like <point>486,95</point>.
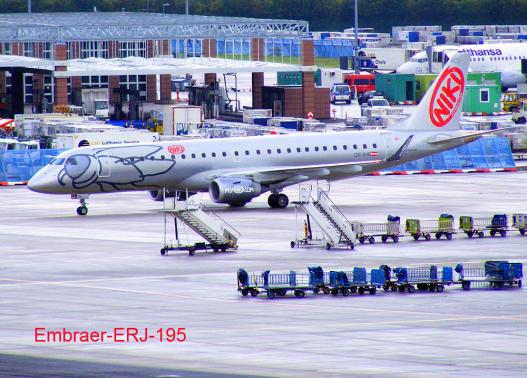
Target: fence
<point>20,165</point>
<point>484,153</point>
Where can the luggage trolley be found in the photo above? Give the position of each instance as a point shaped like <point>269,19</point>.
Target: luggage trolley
<point>497,274</point>
<point>274,284</point>
<point>425,228</point>
<point>355,281</point>
<point>496,224</point>
<point>423,278</point>
<point>519,222</point>
<point>387,230</point>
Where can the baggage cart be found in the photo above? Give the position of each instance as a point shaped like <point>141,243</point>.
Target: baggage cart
<point>496,274</point>
<point>275,284</point>
<point>423,278</point>
<point>357,280</point>
<point>496,224</point>
<point>387,230</point>
<point>425,228</point>
<point>519,222</point>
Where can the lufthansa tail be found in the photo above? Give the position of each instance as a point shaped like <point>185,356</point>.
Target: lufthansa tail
<point>440,108</point>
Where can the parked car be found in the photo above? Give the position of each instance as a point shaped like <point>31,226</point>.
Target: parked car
<point>340,92</point>
<point>368,95</point>
<point>377,102</point>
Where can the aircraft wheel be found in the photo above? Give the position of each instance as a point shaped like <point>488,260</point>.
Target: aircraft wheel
<point>82,210</point>
<point>281,201</point>
<point>271,201</point>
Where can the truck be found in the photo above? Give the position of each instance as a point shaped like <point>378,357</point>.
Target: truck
<point>340,92</point>
<point>74,140</point>
<point>95,102</point>
<point>360,83</point>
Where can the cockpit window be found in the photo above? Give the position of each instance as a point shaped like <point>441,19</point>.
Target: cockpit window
<point>57,161</point>
<point>76,165</point>
<point>419,60</point>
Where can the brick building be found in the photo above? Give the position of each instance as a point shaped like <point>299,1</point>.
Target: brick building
<point>58,40</point>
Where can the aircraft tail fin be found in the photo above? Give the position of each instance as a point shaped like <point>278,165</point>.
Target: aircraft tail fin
<point>440,108</point>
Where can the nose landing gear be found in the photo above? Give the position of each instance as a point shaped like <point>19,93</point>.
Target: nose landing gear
<point>83,208</point>
<point>278,201</point>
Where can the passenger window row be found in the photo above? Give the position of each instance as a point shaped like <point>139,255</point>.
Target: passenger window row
<point>278,151</point>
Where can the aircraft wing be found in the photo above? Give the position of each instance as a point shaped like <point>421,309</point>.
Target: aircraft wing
<point>270,175</point>
<point>473,136</point>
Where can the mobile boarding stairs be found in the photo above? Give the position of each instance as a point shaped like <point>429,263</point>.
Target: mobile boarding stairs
<point>218,234</point>
<point>337,230</point>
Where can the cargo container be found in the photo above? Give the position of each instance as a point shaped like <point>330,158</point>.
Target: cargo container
<point>396,87</point>
<point>482,91</point>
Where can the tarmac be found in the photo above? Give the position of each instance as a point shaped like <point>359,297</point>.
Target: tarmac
<point>104,271</point>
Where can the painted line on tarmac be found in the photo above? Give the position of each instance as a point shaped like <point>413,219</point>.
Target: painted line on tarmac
<point>263,303</point>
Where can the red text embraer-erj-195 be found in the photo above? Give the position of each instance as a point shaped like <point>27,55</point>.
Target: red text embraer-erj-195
<point>236,170</point>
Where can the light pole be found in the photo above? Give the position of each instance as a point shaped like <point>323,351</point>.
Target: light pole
<point>28,6</point>
<point>356,56</point>
<point>165,5</point>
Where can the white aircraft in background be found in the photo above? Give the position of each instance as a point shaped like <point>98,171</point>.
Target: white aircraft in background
<point>505,58</point>
<point>236,170</point>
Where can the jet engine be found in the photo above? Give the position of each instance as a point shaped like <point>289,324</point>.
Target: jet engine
<point>234,191</point>
<point>511,79</point>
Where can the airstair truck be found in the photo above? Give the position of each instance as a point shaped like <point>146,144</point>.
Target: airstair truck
<point>95,102</point>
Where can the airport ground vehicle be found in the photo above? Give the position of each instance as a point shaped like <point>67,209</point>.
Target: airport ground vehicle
<point>367,95</point>
<point>377,102</point>
<point>520,117</point>
<point>360,83</point>
<point>427,278</point>
<point>510,101</point>
<point>386,230</point>
<point>340,93</point>
<point>425,228</point>
<point>95,101</point>
<point>497,274</point>
<point>275,284</point>
<point>497,224</point>
<point>357,280</point>
<point>519,222</point>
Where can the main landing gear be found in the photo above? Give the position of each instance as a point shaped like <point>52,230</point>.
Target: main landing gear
<point>278,201</point>
<point>83,208</point>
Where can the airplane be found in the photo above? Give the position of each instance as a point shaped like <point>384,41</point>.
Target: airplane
<point>499,57</point>
<point>236,170</point>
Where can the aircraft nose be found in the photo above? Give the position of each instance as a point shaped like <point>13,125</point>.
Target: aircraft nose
<point>42,182</point>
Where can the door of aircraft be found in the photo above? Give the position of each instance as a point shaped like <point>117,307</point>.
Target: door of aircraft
<point>104,164</point>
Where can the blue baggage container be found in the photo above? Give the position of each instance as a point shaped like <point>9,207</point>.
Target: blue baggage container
<point>448,274</point>
<point>316,275</point>
<point>463,32</point>
<point>359,276</point>
<point>440,40</point>
<point>377,277</point>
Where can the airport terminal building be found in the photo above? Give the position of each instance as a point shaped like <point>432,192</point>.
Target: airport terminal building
<point>48,58</point>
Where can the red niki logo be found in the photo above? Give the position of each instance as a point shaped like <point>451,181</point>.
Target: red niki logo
<point>447,96</point>
<point>176,149</point>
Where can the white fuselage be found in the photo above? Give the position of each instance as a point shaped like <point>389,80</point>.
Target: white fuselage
<point>152,166</point>
<point>500,57</point>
